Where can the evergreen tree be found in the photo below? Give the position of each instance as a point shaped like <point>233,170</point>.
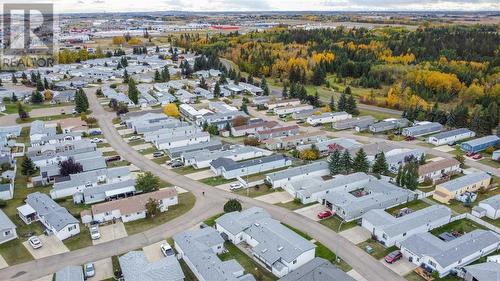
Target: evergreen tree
<point>334,163</point>
<point>421,161</point>
<point>264,86</point>
<point>133,93</point>
<point>342,103</point>
<point>360,162</point>
<point>250,79</point>
<point>319,75</point>
<point>346,162</point>
<point>125,76</point>
<point>380,165</point>
<point>36,97</point>
<point>223,79</point>
<point>244,107</point>
<point>45,84</point>
<point>399,176</point>
<point>157,77</point>
<point>81,101</point>
<point>492,113</point>
<point>410,176</point>
<point>285,92</point>
<point>203,83</point>
<point>39,85</point>
<point>351,106</point>
<point>14,79</point>
<point>332,104</point>
<point>13,98</point>
<point>24,76</point>
<point>28,167</point>
<point>217,90</point>
<point>165,74</point>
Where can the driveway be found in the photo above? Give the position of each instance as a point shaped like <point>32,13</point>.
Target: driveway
<point>51,245</point>
<point>111,232</point>
<point>105,149</point>
<point>201,175</point>
<point>103,270</point>
<point>3,263</point>
<point>125,132</point>
<point>153,252</point>
<point>311,212</point>
<point>45,278</point>
<point>225,186</point>
<point>401,267</point>
<point>142,146</point>
<point>444,148</point>
<point>276,197</point>
<point>356,234</point>
<point>354,274</point>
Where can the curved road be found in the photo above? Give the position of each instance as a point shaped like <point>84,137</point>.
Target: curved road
<point>205,206</point>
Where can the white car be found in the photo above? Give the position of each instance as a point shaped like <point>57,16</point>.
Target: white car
<point>89,270</point>
<point>94,232</point>
<point>132,138</point>
<point>235,186</point>
<point>35,242</point>
<point>166,250</point>
<point>96,140</point>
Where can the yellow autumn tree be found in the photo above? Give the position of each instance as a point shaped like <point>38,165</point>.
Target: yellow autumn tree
<point>171,110</point>
<point>118,40</point>
<point>134,41</point>
<point>48,95</point>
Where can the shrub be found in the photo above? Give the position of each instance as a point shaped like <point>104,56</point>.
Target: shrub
<point>232,205</point>
<point>251,141</point>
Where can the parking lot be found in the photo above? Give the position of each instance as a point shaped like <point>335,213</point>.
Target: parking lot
<point>103,270</point>
<point>111,232</point>
<point>153,252</point>
<point>356,234</point>
<point>51,245</point>
<point>311,211</point>
<point>401,267</point>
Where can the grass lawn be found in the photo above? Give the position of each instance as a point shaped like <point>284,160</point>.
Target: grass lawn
<point>490,162</point>
<point>14,252</point>
<point>136,142</point>
<point>256,191</point>
<point>109,153</point>
<point>334,223</point>
<point>415,205</point>
<point>379,251</point>
<point>185,170</point>
<point>294,205</point>
<point>43,118</point>
<point>186,202</point>
<point>79,241</point>
<point>491,221</point>
<point>120,163</point>
<point>415,277</point>
<point>211,220</point>
<point>150,150</point>
<point>250,266</point>
<point>214,181</point>
<point>377,114</point>
<point>160,160</point>
<point>103,144</point>
<point>188,274</point>
<point>11,107</point>
<point>463,225</point>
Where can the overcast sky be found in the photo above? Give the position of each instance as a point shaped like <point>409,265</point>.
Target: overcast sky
<point>268,5</point>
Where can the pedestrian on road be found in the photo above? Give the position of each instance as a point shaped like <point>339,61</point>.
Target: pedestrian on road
<point>203,192</point>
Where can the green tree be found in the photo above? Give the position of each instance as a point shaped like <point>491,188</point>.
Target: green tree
<point>399,176</point>
<point>285,92</point>
<point>157,77</point>
<point>360,162</point>
<point>421,161</point>
<point>232,205</point>
<point>217,89</point>
<point>264,86</point>
<point>133,93</point>
<point>461,159</point>
<point>351,106</point>
<point>342,103</point>
<point>212,129</point>
<point>152,207</point>
<point>332,104</point>
<point>36,97</point>
<point>81,101</point>
<point>14,79</point>
<point>334,163</point>
<point>28,167</point>
<point>346,162</point>
<point>380,165</point>
<point>147,182</point>
<point>244,107</point>
<point>126,77</point>
<point>13,98</point>
<point>410,178</point>
<point>21,111</point>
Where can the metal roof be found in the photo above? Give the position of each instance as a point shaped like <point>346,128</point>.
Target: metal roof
<point>55,215</point>
<point>136,267</point>
<point>451,133</point>
<point>317,269</point>
<point>460,182</point>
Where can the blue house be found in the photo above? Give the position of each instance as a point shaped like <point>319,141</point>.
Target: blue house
<point>480,144</point>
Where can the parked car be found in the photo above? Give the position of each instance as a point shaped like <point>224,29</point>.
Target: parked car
<point>89,270</point>
<point>113,158</point>
<point>95,133</point>
<point>132,138</point>
<point>176,164</point>
<point>35,242</point>
<point>158,154</point>
<point>324,214</point>
<point>94,232</point>
<point>393,257</point>
<point>477,156</point>
<point>235,186</point>
<point>470,154</point>
<point>63,112</point>
<point>96,140</point>
<point>166,250</point>
<point>452,143</point>
<point>410,138</point>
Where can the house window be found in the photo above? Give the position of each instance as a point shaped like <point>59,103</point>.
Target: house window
<point>404,234</point>
<point>71,227</point>
<point>7,233</point>
<point>295,261</point>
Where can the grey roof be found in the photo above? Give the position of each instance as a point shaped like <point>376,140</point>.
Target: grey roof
<point>136,267</point>
<point>4,186</point>
<point>100,190</point>
<point>177,151</point>
<point>300,170</point>
<point>91,176</point>
<point>451,133</point>
<point>424,128</point>
<point>197,244</point>
<point>275,242</point>
<point>328,114</point>
<point>89,162</point>
<point>59,136</point>
<point>56,216</point>
<point>205,155</point>
<point>70,273</point>
<point>393,226</point>
<point>480,141</point>
<point>493,201</point>
<point>447,253</point>
<point>458,183</point>
<point>488,271</point>
<point>229,164</point>
<point>38,127</point>
<point>317,269</point>
<point>5,222</point>
<point>173,138</point>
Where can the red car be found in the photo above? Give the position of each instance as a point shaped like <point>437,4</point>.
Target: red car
<point>393,257</point>
<point>470,154</point>
<point>324,214</point>
<point>477,156</point>
<point>410,138</point>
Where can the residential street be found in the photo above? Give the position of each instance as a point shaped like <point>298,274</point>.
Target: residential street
<point>206,206</point>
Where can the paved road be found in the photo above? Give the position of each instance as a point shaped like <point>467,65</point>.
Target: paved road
<point>205,206</point>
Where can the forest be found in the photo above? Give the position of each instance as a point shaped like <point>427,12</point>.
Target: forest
<point>442,71</point>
